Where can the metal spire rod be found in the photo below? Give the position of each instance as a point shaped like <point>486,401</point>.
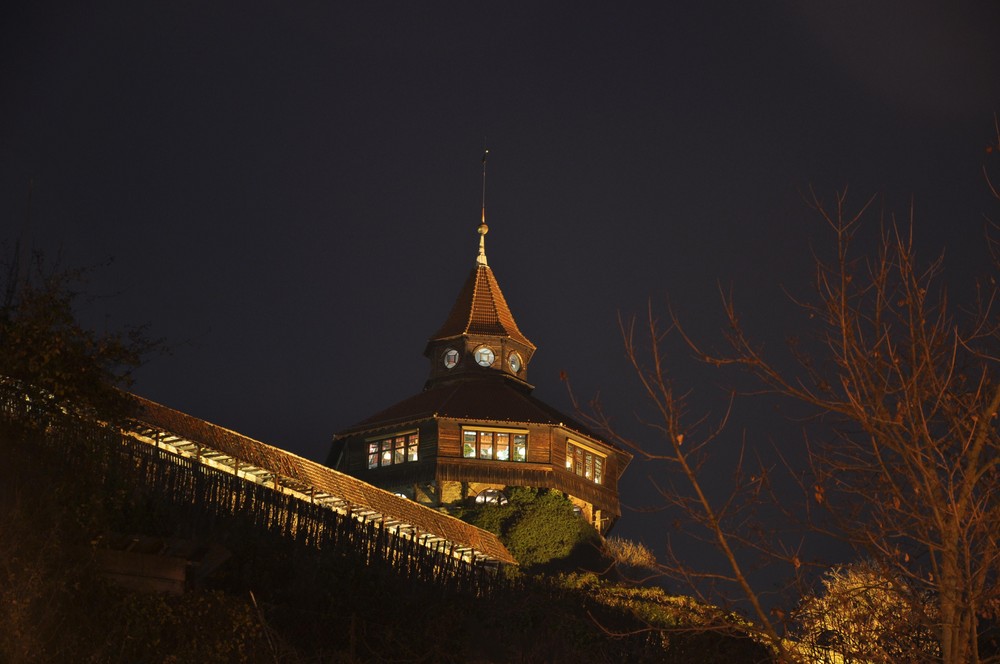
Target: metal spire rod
<point>486,152</point>
<point>483,228</point>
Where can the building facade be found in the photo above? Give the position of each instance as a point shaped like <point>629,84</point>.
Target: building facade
<point>475,428</point>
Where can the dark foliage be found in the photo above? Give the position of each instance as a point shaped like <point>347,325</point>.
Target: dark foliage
<point>305,605</point>
<point>541,530</point>
<point>43,344</point>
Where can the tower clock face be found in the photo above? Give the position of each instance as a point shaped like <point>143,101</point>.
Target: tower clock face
<point>485,356</point>
<point>450,358</point>
<point>514,362</point>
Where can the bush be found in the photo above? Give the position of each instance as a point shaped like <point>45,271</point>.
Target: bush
<point>539,528</point>
<point>864,615</point>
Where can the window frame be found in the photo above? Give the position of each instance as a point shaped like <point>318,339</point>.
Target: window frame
<point>396,449</point>
<point>514,445</point>
<point>586,462</point>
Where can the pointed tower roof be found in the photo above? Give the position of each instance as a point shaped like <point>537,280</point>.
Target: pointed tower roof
<point>479,339</point>
<point>481,309</point>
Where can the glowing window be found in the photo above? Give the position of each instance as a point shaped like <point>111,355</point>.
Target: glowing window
<point>502,441</point>
<point>491,497</point>
<point>469,444</point>
<point>394,450</point>
<point>485,445</point>
<point>520,447</point>
<point>585,462</point>
<point>495,445</point>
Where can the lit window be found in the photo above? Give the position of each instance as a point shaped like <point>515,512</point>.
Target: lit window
<point>502,446</point>
<point>491,497</point>
<point>394,450</point>
<point>520,447</point>
<point>585,463</point>
<point>485,445</point>
<point>484,356</point>
<point>494,445</point>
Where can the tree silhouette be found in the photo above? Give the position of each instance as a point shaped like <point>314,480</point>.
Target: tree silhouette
<point>902,446</point>
<point>44,346</point>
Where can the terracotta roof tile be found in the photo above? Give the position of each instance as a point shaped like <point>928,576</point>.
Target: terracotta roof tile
<point>289,466</point>
<point>481,309</point>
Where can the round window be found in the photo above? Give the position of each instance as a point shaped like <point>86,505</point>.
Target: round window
<point>485,356</point>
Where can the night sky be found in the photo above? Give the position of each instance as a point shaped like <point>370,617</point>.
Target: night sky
<point>290,191</point>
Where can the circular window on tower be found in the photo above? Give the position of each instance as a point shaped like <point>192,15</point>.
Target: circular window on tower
<point>514,362</point>
<point>450,358</point>
<point>484,356</point>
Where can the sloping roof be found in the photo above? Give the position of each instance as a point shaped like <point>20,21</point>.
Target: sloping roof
<point>324,485</point>
<point>481,309</point>
<point>485,399</point>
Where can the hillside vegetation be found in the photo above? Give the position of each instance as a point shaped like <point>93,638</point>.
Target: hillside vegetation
<point>276,601</point>
<point>65,487</point>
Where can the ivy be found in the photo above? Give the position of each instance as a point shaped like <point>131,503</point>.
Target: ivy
<point>538,526</point>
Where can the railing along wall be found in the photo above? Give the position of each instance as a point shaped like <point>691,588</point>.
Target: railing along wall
<point>204,495</point>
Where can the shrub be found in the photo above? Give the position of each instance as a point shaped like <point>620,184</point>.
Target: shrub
<point>864,615</point>
<point>538,527</point>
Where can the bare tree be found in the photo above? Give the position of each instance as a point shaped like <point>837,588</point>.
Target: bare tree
<point>903,446</point>
<point>907,471</point>
<point>726,522</point>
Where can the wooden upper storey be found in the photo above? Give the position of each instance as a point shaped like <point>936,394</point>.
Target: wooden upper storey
<point>448,423</point>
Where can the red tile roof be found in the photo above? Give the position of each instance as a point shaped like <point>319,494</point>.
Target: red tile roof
<point>292,468</point>
<point>481,309</point>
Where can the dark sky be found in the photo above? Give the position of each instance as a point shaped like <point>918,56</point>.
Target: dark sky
<point>290,190</point>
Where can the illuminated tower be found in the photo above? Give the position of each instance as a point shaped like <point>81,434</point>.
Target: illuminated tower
<point>475,428</point>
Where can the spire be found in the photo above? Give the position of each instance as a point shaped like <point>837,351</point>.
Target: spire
<point>483,228</point>
<point>481,307</point>
<point>480,337</point>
